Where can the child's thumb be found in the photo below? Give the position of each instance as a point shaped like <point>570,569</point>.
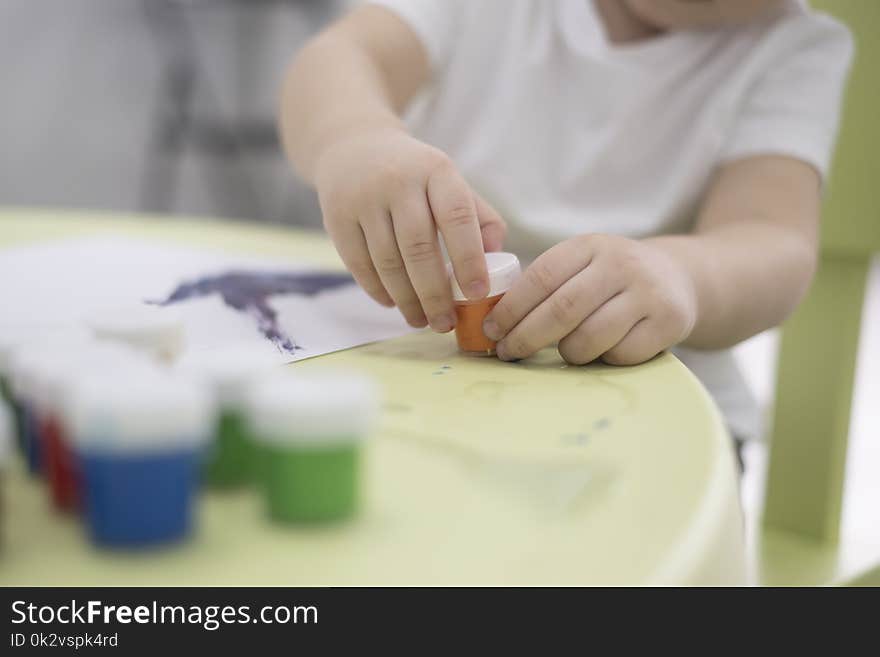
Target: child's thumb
<point>492,227</point>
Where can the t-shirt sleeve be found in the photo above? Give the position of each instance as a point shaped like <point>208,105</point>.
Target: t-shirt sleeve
<point>435,23</point>
<point>794,107</point>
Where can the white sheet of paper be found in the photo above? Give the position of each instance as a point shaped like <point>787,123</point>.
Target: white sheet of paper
<point>61,284</point>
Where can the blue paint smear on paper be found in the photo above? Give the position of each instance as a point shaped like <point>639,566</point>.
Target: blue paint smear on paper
<point>248,292</point>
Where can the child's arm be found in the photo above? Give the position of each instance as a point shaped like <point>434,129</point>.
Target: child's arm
<point>744,269</point>
<point>383,194</point>
<point>754,250</point>
<point>356,76</point>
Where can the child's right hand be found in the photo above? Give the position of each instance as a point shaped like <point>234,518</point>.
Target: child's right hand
<point>384,195</point>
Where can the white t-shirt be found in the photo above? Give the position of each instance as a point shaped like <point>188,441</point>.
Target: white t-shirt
<point>567,133</point>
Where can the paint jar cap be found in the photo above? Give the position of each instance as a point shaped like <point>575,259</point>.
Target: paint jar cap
<point>56,375</point>
<point>21,365</point>
<point>33,352</point>
<point>230,372</point>
<point>316,408</point>
<point>137,411</point>
<point>156,330</point>
<point>5,433</point>
<point>504,269</point>
<point>9,340</point>
<point>12,338</point>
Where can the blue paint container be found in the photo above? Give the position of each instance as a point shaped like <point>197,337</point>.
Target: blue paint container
<point>139,439</point>
<point>140,499</point>
<point>30,438</point>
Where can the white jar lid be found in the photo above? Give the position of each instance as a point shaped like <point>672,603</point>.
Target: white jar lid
<point>42,353</point>
<point>315,408</point>
<point>21,348</point>
<point>504,269</point>
<point>25,365</point>
<point>15,334</point>
<point>156,329</point>
<point>11,339</point>
<point>55,377</point>
<point>230,372</point>
<point>5,433</point>
<point>135,412</point>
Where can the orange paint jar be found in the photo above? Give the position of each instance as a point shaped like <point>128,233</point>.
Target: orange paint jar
<point>504,269</point>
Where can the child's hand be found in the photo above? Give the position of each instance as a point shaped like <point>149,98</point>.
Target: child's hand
<point>384,195</point>
<point>599,296</point>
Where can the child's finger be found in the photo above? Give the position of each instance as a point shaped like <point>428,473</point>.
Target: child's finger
<point>419,245</point>
<point>601,331</point>
<point>644,341</point>
<point>541,279</point>
<point>382,246</point>
<point>559,314</point>
<point>351,245</point>
<point>492,227</point>
<point>455,213</point>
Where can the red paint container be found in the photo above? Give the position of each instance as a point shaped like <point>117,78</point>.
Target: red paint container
<point>52,381</point>
<point>61,470</point>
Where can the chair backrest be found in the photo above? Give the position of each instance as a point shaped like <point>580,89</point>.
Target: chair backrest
<point>819,342</point>
<point>851,217</point>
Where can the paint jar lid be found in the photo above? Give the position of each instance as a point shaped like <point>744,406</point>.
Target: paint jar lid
<point>136,411</point>
<point>5,433</point>
<point>155,329</point>
<point>8,342</point>
<point>12,338</point>
<point>21,365</point>
<point>231,371</point>
<point>504,269</point>
<point>56,375</point>
<point>32,353</point>
<point>313,408</point>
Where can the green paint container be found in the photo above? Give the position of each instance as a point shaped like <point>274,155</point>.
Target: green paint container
<point>5,389</point>
<point>230,374</point>
<point>5,449</point>
<point>311,430</point>
<point>231,461</point>
<point>311,484</point>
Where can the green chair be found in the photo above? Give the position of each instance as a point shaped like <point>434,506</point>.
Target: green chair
<point>802,508</point>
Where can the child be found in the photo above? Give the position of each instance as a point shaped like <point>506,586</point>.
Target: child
<point>663,159</point>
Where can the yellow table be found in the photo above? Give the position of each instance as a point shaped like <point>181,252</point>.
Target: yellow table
<point>482,472</point>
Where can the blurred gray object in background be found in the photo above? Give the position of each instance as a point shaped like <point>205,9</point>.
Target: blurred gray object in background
<point>151,105</point>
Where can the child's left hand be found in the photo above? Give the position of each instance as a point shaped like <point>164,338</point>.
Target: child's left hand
<point>598,296</point>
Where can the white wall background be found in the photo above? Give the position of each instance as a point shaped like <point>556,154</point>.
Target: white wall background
<point>81,93</point>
